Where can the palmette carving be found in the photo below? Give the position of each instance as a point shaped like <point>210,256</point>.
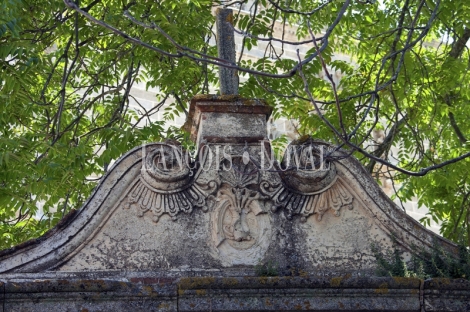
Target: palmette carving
<point>293,203</point>
<point>238,204</point>
<point>167,185</point>
<point>145,198</point>
<point>240,225</point>
<point>237,189</point>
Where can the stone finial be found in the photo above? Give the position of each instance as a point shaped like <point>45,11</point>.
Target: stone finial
<point>226,48</point>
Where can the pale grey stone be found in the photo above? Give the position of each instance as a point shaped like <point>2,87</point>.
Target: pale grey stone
<point>159,236</point>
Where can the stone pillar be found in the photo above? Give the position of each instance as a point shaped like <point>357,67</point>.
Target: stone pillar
<point>227,119</point>
<point>226,48</point>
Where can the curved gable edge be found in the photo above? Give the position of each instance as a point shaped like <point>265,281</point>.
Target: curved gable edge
<point>62,242</point>
<point>49,250</point>
<point>405,230</point>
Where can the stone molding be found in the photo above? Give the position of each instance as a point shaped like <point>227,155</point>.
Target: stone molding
<point>144,292</point>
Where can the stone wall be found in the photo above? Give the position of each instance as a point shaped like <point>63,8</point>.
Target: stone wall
<point>145,292</point>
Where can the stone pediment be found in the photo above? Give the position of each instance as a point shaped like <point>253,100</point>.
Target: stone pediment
<point>161,215</point>
<point>157,209</point>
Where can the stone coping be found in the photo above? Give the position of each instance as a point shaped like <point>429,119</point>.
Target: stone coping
<point>223,104</point>
<point>248,293</point>
<point>107,283</point>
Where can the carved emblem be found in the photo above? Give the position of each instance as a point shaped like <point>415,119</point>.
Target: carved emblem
<point>241,227</point>
<point>236,209</point>
<point>238,204</point>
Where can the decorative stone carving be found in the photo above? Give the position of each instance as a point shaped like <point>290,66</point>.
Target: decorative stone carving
<point>309,183</point>
<point>241,228</point>
<point>238,204</point>
<point>305,184</point>
<point>334,198</point>
<point>167,184</point>
<point>306,169</point>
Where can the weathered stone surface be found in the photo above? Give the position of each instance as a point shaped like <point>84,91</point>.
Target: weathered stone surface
<point>162,231</point>
<point>88,295</point>
<point>292,299</point>
<point>227,117</point>
<point>127,241</point>
<point>447,295</point>
<point>230,125</point>
<point>145,292</point>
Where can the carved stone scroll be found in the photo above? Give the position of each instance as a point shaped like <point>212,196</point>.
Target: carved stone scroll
<point>167,185</point>
<point>309,183</point>
<point>305,184</point>
<point>305,169</point>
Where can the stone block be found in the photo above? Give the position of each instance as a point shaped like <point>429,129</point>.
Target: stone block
<point>212,116</point>
<point>298,293</point>
<point>233,125</point>
<point>88,295</point>
<point>444,294</point>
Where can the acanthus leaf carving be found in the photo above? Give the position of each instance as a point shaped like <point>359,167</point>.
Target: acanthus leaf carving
<point>313,188</point>
<point>146,198</point>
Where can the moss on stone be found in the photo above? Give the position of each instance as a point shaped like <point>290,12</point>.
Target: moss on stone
<point>383,289</point>
<point>336,281</point>
<point>195,282</point>
<point>230,281</point>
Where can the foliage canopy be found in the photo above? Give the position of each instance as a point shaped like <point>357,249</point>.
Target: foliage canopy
<point>67,68</point>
